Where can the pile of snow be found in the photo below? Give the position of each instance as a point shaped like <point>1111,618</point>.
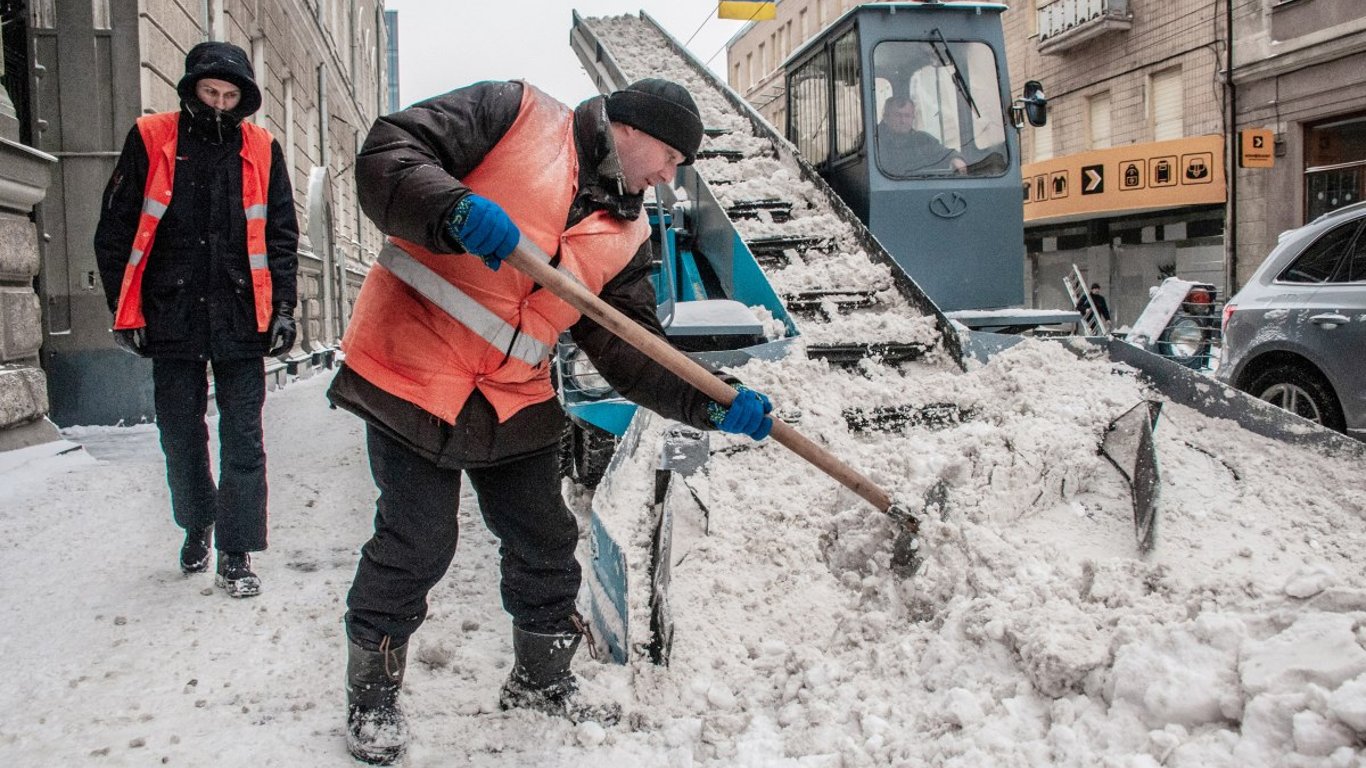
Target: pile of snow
<point>1035,634</point>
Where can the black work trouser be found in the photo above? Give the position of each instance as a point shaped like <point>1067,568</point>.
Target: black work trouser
<point>236,506</point>
<point>416,532</point>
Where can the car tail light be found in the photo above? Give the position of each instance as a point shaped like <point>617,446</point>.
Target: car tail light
<point>1228,312</point>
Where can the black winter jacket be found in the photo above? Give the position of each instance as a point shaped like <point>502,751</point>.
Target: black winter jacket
<point>197,293</point>
<point>407,178</point>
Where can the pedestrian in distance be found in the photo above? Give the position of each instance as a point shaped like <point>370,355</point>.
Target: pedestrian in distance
<point>197,249</point>
<point>1097,300</point>
<point>448,361</point>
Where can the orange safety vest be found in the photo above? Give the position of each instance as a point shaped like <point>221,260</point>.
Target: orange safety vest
<point>159,137</point>
<point>432,327</point>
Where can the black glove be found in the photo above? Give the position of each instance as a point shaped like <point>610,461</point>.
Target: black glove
<point>132,340</point>
<point>282,330</point>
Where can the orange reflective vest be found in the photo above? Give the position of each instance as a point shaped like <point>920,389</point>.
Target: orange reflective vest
<point>159,137</point>
<point>431,328</point>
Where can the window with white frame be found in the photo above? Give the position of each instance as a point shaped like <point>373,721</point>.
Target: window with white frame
<point>258,63</point>
<point>1043,140</point>
<point>1166,96</point>
<point>1334,164</point>
<point>1098,124</point>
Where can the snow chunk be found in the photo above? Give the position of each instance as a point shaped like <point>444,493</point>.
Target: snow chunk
<point>1348,704</point>
<point>1058,646</point>
<point>1177,679</point>
<point>1310,581</point>
<point>1318,648</point>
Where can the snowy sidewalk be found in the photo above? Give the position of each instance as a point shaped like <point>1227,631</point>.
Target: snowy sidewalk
<point>115,658</point>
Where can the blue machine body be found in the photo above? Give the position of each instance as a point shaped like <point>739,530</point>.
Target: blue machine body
<point>708,285</point>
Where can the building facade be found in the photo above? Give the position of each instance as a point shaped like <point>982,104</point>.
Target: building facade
<point>755,55</point>
<point>1126,182</point>
<point>25,174</point>
<point>92,68</point>
<point>1297,74</point>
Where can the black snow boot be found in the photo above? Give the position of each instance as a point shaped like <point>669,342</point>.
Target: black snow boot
<point>235,576</point>
<point>376,730</point>
<point>194,553</point>
<point>541,679</point>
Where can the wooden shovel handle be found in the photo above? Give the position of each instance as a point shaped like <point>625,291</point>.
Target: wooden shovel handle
<point>528,258</point>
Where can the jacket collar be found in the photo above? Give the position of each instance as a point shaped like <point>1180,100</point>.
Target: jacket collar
<point>601,181</point>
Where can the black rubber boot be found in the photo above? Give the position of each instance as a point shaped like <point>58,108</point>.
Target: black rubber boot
<point>194,553</point>
<point>541,679</point>
<point>235,576</point>
<point>376,730</point>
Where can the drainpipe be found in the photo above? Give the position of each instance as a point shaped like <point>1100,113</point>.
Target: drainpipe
<point>1232,163</point>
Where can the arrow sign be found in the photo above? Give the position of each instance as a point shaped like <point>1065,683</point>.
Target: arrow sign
<point>1092,179</point>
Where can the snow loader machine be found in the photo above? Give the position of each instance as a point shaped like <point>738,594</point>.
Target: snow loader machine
<point>810,243</point>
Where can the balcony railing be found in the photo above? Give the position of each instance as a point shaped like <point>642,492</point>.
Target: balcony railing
<point>1067,23</point>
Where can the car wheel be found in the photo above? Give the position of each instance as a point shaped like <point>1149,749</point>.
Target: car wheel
<point>1302,391</point>
<point>592,452</point>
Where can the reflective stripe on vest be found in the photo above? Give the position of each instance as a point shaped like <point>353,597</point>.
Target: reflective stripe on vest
<point>459,305</point>
<point>159,137</point>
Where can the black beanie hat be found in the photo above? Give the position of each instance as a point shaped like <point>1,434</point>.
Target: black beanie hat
<point>662,109</point>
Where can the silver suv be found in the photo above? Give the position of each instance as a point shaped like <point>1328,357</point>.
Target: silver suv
<point>1295,335</point>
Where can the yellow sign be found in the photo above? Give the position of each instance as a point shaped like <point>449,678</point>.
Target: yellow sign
<point>1125,180</point>
<point>747,10</point>
<point>1255,148</point>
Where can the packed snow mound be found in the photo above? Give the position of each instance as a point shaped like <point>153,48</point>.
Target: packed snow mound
<point>1036,634</point>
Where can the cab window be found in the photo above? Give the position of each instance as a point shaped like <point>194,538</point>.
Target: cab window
<point>939,109</point>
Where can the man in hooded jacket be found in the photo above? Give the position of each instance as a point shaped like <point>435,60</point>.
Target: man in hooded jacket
<point>197,248</point>
<point>447,361</point>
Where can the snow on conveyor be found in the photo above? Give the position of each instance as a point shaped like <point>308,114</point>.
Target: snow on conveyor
<point>835,264</point>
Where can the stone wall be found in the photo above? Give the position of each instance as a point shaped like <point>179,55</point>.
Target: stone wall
<point>23,386</point>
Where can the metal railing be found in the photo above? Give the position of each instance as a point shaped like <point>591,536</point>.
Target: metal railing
<point>1063,15</point>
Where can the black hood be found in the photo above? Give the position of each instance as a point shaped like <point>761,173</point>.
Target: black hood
<point>221,61</point>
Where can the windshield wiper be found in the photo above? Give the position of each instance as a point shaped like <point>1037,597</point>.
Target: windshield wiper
<point>946,59</point>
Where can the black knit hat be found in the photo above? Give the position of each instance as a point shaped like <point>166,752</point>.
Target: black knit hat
<point>662,109</point>
<point>221,61</point>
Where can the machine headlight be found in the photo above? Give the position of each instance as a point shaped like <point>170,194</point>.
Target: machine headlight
<point>1186,338</point>
<point>583,376</point>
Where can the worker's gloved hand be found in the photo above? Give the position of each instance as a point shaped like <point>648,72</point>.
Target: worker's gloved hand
<point>132,340</point>
<point>483,228</point>
<point>747,415</point>
<point>282,330</point>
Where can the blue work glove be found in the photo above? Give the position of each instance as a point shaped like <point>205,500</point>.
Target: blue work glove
<point>483,229</point>
<point>747,415</point>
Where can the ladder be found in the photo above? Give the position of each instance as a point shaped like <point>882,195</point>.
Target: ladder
<point>1091,321</point>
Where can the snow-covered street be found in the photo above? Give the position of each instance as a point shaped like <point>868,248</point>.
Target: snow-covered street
<point>1036,635</point>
